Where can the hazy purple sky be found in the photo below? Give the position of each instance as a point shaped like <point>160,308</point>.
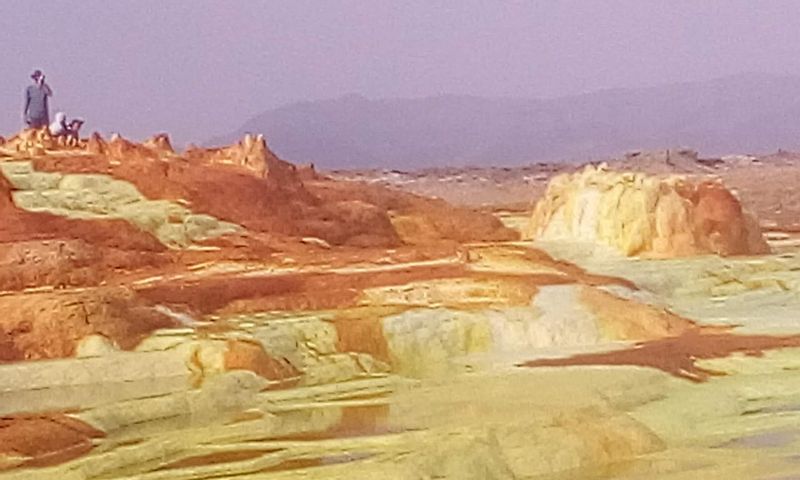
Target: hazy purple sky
<point>198,68</point>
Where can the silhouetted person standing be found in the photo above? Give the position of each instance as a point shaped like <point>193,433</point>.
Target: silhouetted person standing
<point>36,114</point>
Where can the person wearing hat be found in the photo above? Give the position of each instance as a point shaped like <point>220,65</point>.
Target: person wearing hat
<point>36,114</point>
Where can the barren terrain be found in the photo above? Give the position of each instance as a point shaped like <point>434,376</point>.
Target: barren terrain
<point>222,313</point>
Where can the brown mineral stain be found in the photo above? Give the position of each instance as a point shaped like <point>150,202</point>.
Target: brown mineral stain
<point>217,458</point>
<point>47,438</point>
<point>363,335</point>
<point>677,355</point>
<point>299,463</point>
<point>355,421</point>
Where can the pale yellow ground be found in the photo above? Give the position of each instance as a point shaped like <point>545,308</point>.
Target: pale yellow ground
<point>480,418</point>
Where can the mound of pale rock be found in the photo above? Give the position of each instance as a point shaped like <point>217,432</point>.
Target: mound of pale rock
<point>639,214</point>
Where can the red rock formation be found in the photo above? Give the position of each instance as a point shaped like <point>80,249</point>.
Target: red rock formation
<point>248,185</point>
<point>251,153</point>
<point>720,221</point>
<point>121,149</point>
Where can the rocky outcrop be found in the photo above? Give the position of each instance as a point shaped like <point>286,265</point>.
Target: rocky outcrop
<point>245,185</point>
<point>96,144</point>
<point>122,149</point>
<point>101,197</point>
<point>638,214</point>
<point>160,143</point>
<point>250,153</point>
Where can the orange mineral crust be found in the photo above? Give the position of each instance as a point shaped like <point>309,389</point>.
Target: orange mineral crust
<point>677,355</point>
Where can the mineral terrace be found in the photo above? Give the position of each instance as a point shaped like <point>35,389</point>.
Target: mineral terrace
<point>222,313</point>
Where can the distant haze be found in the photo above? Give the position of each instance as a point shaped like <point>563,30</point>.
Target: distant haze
<point>199,69</point>
<point>749,113</point>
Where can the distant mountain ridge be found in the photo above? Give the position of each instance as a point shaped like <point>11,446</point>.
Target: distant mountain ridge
<point>737,114</point>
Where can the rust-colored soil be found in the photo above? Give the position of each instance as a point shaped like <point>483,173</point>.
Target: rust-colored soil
<point>341,213</point>
<point>677,355</point>
<point>20,225</point>
<point>362,335</point>
<point>42,249</point>
<point>321,291</point>
<point>355,421</point>
<point>306,290</point>
<point>628,320</point>
<point>50,325</point>
<point>244,355</point>
<point>46,438</point>
<point>276,203</point>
